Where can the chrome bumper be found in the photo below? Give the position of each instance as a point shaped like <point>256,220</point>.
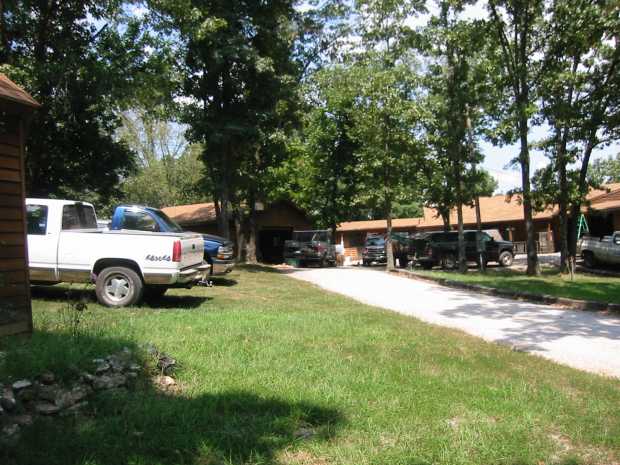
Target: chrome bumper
<point>220,268</point>
<point>187,276</point>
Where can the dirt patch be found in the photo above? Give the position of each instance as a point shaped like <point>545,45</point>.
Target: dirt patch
<point>590,455</point>
<point>300,457</point>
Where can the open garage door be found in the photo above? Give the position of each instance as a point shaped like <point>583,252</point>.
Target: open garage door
<point>271,244</point>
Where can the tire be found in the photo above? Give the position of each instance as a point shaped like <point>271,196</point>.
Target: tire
<point>154,293</point>
<point>365,263</point>
<point>403,262</point>
<point>427,266</point>
<point>505,259</point>
<point>119,287</point>
<point>449,261</point>
<point>588,259</point>
<point>322,263</point>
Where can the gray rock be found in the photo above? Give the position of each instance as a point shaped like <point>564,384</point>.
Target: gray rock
<point>166,364</point>
<point>10,430</point>
<point>109,381</point>
<point>102,368</point>
<point>23,420</point>
<point>48,393</point>
<point>45,408</point>
<point>22,384</point>
<point>1,411</point>
<point>27,394</point>
<point>7,401</point>
<point>126,351</point>
<point>87,378</point>
<point>47,377</point>
<point>134,367</point>
<point>74,409</point>
<point>116,364</point>
<point>98,361</point>
<point>131,375</point>
<point>67,399</point>
<point>304,433</point>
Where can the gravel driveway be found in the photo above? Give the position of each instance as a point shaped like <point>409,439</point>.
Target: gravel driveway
<point>585,340</point>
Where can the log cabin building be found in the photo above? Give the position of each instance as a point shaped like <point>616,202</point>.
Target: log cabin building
<point>497,212</point>
<point>275,223</point>
<point>16,107</point>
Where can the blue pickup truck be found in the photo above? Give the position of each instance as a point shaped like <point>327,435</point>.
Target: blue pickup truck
<point>218,250</point>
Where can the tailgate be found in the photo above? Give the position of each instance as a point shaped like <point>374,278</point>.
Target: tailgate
<point>192,250</point>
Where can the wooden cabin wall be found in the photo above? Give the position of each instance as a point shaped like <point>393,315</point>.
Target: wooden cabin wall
<point>15,308</point>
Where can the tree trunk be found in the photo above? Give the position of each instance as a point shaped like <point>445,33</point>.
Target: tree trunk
<point>461,239</point>
<point>445,217</point>
<point>583,190</point>
<point>251,255</point>
<point>388,244</point>
<point>533,267</point>
<point>563,203</point>
<point>240,235</point>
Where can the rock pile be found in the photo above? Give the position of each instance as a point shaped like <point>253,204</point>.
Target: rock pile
<point>23,400</point>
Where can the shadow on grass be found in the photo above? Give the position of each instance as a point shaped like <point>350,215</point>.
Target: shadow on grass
<point>65,294</point>
<point>224,282</point>
<point>143,425</point>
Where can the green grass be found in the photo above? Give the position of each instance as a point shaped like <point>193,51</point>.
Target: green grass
<point>266,355</point>
<point>583,287</point>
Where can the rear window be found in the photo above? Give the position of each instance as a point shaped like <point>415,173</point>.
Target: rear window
<point>78,216</point>
<point>36,219</point>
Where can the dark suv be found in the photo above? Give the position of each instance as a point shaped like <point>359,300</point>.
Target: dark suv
<point>441,248</point>
<point>375,250</point>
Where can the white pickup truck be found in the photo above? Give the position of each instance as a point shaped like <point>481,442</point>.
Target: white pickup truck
<point>605,250</point>
<point>64,245</point>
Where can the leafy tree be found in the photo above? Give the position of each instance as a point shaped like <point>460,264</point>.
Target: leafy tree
<point>605,170</point>
<point>170,171</point>
<point>238,74</point>
<point>328,174</point>
<point>517,27</point>
<point>454,96</point>
<point>82,60</point>
<point>578,89</point>
<point>386,125</point>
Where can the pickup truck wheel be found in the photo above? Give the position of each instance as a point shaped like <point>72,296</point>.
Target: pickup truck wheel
<point>505,258</point>
<point>449,261</point>
<point>119,287</point>
<point>588,259</point>
<point>427,266</point>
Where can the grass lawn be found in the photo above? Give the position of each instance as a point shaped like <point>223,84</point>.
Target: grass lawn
<point>263,356</point>
<point>584,287</point>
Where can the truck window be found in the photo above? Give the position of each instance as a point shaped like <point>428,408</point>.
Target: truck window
<point>36,219</point>
<point>139,221</point>
<point>78,216</point>
<point>375,241</point>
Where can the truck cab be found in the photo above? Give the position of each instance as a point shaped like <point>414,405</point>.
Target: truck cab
<point>218,251</point>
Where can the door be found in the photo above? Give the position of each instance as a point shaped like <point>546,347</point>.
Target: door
<point>42,245</point>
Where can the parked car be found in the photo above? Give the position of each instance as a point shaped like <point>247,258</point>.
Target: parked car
<point>64,245</point>
<point>375,248</point>
<point>311,247</point>
<point>218,251</point>
<point>441,248</point>
<point>605,250</point>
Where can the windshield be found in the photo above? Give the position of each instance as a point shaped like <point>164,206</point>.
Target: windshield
<point>311,236</point>
<point>375,241</point>
<point>171,225</point>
